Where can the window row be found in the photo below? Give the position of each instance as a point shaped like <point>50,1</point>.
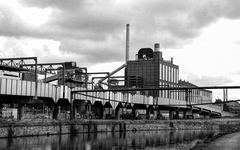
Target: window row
<point>195,96</point>
<point>172,94</point>
<point>168,73</point>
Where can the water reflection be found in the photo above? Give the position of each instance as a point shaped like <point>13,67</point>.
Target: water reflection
<point>147,140</point>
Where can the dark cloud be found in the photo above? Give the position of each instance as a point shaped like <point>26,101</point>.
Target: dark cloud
<point>95,52</point>
<point>60,4</point>
<point>74,22</point>
<point>10,23</point>
<point>183,20</point>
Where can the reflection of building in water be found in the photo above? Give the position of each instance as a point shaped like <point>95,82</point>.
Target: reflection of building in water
<point>174,139</point>
<point>150,70</point>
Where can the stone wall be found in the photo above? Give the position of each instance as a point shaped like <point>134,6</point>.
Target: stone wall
<point>16,129</point>
<point>59,127</point>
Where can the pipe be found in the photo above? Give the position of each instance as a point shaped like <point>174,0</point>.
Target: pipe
<point>127,42</point>
<point>112,73</point>
<point>160,89</point>
<point>36,79</point>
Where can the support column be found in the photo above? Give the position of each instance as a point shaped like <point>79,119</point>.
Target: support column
<point>72,110</point>
<point>177,114</point>
<point>21,110</point>
<point>101,113</point>
<point>55,111</point>
<point>134,112</point>
<point>117,113</point>
<point>88,108</point>
<point>191,112</point>
<point>155,111</point>
<point>76,110</point>
<point>171,114</point>
<point>210,115</point>
<point>148,111</point>
<point>184,114</point>
<point>1,107</point>
<point>159,114</point>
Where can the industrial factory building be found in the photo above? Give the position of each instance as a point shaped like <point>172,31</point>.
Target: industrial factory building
<point>64,90</point>
<point>150,70</point>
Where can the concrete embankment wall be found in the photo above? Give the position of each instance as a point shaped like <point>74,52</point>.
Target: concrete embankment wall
<point>42,127</point>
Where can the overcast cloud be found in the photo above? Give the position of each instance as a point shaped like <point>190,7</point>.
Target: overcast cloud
<point>210,80</point>
<point>98,26</point>
<point>93,31</point>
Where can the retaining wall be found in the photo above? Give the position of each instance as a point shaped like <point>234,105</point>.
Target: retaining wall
<point>17,129</point>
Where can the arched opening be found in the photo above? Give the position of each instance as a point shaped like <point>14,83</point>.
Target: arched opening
<point>42,108</point>
<point>82,109</point>
<point>25,107</point>
<point>119,111</point>
<point>108,111</point>
<point>62,109</point>
<point>97,110</point>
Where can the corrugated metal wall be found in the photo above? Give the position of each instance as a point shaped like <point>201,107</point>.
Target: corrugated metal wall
<point>27,88</point>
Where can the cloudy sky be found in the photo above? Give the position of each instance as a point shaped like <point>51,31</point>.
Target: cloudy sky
<point>202,36</point>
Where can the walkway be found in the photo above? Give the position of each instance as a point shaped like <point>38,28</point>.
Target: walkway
<point>227,142</point>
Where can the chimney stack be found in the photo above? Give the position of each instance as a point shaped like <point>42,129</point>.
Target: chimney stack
<point>171,60</point>
<point>127,42</point>
<point>156,47</point>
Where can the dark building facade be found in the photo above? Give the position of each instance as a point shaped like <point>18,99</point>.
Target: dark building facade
<point>150,70</point>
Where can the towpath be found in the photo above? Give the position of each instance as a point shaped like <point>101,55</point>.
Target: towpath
<point>227,142</point>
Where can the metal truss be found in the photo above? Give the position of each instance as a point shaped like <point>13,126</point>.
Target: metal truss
<point>44,68</point>
<point>14,64</point>
<point>187,90</point>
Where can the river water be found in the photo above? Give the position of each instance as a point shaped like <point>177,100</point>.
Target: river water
<point>140,140</point>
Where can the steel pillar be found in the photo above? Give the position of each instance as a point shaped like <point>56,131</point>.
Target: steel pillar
<point>177,114</point>
<point>21,109</point>
<point>72,110</point>
<point>101,115</point>
<point>171,114</point>
<point>184,114</point>
<point>148,112</point>
<point>133,112</point>
<point>117,112</point>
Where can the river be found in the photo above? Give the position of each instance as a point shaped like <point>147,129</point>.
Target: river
<point>140,140</point>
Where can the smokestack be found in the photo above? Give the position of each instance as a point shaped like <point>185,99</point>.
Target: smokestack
<point>127,42</point>
<point>156,47</point>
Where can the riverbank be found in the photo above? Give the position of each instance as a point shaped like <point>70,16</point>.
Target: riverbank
<point>37,127</point>
<point>226,132</point>
<point>227,140</point>
<point>230,141</point>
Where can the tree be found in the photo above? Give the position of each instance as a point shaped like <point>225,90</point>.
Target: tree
<point>218,101</point>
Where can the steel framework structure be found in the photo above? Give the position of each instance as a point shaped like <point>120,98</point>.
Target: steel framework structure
<point>187,90</point>
<point>15,64</point>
